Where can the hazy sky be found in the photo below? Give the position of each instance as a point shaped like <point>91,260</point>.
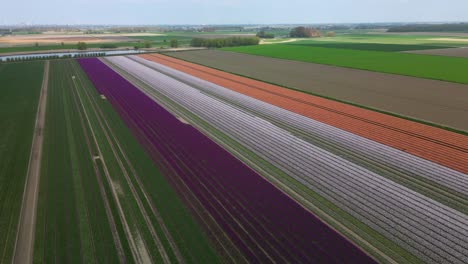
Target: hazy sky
<point>228,11</point>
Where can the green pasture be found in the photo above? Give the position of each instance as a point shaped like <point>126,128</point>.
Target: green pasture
<point>20,85</point>
<point>424,66</point>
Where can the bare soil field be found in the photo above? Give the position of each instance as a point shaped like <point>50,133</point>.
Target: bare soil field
<point>451,52</point>
<point>434,101</point>
<point>68,38</point>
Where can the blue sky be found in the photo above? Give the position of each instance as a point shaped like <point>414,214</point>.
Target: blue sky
<point>229,11</point>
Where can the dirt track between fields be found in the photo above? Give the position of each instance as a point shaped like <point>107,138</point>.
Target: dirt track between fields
<point>24,245</point>
<point>451,52</point>
<point>438,102</point>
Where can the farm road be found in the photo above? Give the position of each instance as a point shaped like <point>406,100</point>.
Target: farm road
<point>25,237</point>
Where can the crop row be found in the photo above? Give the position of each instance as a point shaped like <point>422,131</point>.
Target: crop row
<point>430,230</point>
<point>369,149</point>
<point>260,220</point>
<point>443,147</point>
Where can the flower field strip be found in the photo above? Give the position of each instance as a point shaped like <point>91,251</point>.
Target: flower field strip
<point>221,241</point>
<point>208,164</point>
<point>406,217</point>
<point>409,165</point>
<point>18,106</point>
<point>177,234</point>
<point>432,133</point>
<point>156,219</point>
<point>438,145</point>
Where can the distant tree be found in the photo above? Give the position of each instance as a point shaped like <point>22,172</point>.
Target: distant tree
<point>147,44</point>
<point>36,44</point>
<point>136,47</point>
<point>63,44</point>
<point>174,43</point>
<point>164,41</point>
<point>82,45</point>
<point>330,34</point>
<point>303,32</point>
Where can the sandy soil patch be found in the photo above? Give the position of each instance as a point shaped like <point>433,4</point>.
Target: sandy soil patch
<point>450,52</point>
<point>69,38</point>
<point>435,101</point>
<point>182,120</point>
<point>262,42</point>
<point>449,39</point>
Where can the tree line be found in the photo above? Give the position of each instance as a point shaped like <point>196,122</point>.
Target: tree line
<point>224,42</point>
<point>263,34</point>
<point>303,32</point>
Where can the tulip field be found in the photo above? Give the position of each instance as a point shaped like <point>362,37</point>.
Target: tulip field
<point>101,198</point>
<point>153,159</point>
<point>397,204</point>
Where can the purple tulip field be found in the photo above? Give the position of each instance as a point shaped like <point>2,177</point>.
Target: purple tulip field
<point>254,220</point>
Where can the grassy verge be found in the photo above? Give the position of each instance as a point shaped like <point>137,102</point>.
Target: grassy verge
<point>20,85</point>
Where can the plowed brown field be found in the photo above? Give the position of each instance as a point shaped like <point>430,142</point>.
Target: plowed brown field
<point>431,143</point>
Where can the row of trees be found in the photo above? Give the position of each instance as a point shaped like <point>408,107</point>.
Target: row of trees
<point>224,42</point>
<point>263,34</point>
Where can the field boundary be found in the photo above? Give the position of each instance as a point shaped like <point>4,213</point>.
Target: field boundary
<point>24,244</point>
<point>349,67</point>
<point>424,122</point>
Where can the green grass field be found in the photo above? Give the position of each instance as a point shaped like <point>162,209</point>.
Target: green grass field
<point>401,39</point>
<point>424,66</point>
<point>367,46</point>
<point>20,84</point>
<point>164,41</point>
<point>72,224</point>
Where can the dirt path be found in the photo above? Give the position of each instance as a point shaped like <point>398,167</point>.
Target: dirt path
<point>24,245</point>
<point>262,42</point>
